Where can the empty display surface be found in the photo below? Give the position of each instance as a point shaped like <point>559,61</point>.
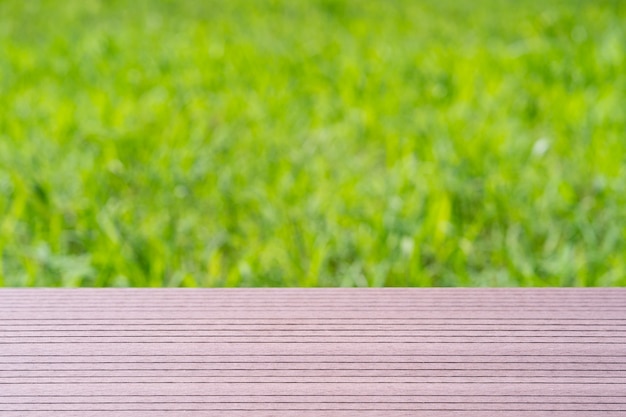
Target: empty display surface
<point>313,352</point>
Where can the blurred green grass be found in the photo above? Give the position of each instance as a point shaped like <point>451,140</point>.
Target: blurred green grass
<point>353,143</point>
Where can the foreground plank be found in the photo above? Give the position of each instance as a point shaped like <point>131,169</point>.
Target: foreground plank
<point>313,352</point>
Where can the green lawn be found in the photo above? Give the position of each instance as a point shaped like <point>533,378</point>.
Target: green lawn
<point>312,142</point>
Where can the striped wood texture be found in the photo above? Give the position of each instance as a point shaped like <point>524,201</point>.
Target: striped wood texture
<point>313,352</point>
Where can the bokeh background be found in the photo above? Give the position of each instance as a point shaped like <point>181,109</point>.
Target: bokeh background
<point>312,143</point>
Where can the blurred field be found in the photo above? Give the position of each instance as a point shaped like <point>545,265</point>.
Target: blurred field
<point>311,143</point>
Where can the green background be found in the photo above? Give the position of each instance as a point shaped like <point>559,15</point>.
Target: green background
<point>354,143</point>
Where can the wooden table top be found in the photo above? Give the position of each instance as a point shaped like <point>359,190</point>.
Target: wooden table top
<point>313,352</point>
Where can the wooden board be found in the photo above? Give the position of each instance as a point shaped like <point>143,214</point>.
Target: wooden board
<point>313,352</point>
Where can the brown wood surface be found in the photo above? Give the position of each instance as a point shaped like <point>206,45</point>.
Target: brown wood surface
<point>313,352</point>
